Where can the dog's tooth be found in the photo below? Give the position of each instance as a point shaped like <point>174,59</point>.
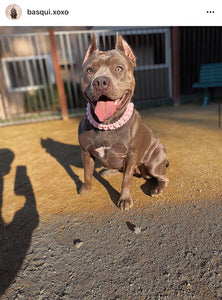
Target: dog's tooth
<point>116,101</point>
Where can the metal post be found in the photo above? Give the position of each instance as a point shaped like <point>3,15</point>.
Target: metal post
<point>176,65</point>
<point>59,82</point>
<point>168,60</point>
<point>4,96</point>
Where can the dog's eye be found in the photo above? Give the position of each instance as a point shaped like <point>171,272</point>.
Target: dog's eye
<point>89,70</point>
<point>119,69</point>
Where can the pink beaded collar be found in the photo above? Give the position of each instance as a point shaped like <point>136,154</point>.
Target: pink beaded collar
<point>123,120</point>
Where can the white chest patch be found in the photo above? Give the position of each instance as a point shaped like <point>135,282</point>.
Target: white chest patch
<point>101,151</point>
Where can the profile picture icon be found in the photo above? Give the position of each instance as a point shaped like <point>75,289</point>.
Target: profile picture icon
<point>13,12</point>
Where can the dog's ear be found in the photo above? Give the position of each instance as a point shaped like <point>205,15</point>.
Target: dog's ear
<point>91,49</point>
<point>123,46</point>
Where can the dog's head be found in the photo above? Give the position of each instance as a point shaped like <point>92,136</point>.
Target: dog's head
<point>107,81</point>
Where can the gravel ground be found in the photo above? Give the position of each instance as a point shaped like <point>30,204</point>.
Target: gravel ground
<point>56,244</point>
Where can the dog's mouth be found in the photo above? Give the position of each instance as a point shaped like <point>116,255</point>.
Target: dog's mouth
<point>106,107</point>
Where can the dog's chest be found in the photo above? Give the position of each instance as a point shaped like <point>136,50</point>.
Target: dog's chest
<point>109,150</point>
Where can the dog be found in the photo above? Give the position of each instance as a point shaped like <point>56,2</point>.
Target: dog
<point>112,130</point>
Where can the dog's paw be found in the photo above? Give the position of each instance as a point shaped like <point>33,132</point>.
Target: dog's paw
<point>84,190</point>
<point>125,204</point>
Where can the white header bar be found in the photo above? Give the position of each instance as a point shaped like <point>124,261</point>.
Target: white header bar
<point>111,13</point>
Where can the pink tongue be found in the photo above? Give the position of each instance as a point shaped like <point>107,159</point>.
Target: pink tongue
<point>105,109</point>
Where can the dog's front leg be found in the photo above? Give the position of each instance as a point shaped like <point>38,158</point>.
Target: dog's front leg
<point>88,164</point>
<point>125,201</point>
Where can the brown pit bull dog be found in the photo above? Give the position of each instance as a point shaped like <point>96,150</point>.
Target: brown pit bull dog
<point>112,130</point>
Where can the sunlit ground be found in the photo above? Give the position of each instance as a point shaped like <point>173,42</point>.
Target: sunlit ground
<point>51,156</point>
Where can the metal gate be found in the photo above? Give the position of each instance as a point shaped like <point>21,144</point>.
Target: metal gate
<point>28,86</point>
<point>28,90</point>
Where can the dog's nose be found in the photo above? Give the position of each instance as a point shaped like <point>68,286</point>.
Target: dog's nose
<point>101,82</point>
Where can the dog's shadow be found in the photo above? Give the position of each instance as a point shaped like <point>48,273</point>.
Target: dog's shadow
<point>70,155</point>
<point>148,185</point>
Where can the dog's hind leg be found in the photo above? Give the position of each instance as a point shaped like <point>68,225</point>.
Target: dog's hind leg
<point>159,173</point>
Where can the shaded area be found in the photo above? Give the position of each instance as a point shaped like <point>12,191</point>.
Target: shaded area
<point>15,237</point>
<point>113,193</point>
<point>192,115</point>
<point>67,155</point>
<point>70,155</point>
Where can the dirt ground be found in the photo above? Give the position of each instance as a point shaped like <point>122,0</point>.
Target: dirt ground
<point>56,244</point>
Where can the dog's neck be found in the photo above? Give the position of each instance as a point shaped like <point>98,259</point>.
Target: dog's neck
<point>119,123</point>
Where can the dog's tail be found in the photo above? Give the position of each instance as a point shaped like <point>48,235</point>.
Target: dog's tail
<point>167,164</point>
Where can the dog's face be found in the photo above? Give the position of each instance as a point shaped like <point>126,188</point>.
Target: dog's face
<point>107,81</point>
